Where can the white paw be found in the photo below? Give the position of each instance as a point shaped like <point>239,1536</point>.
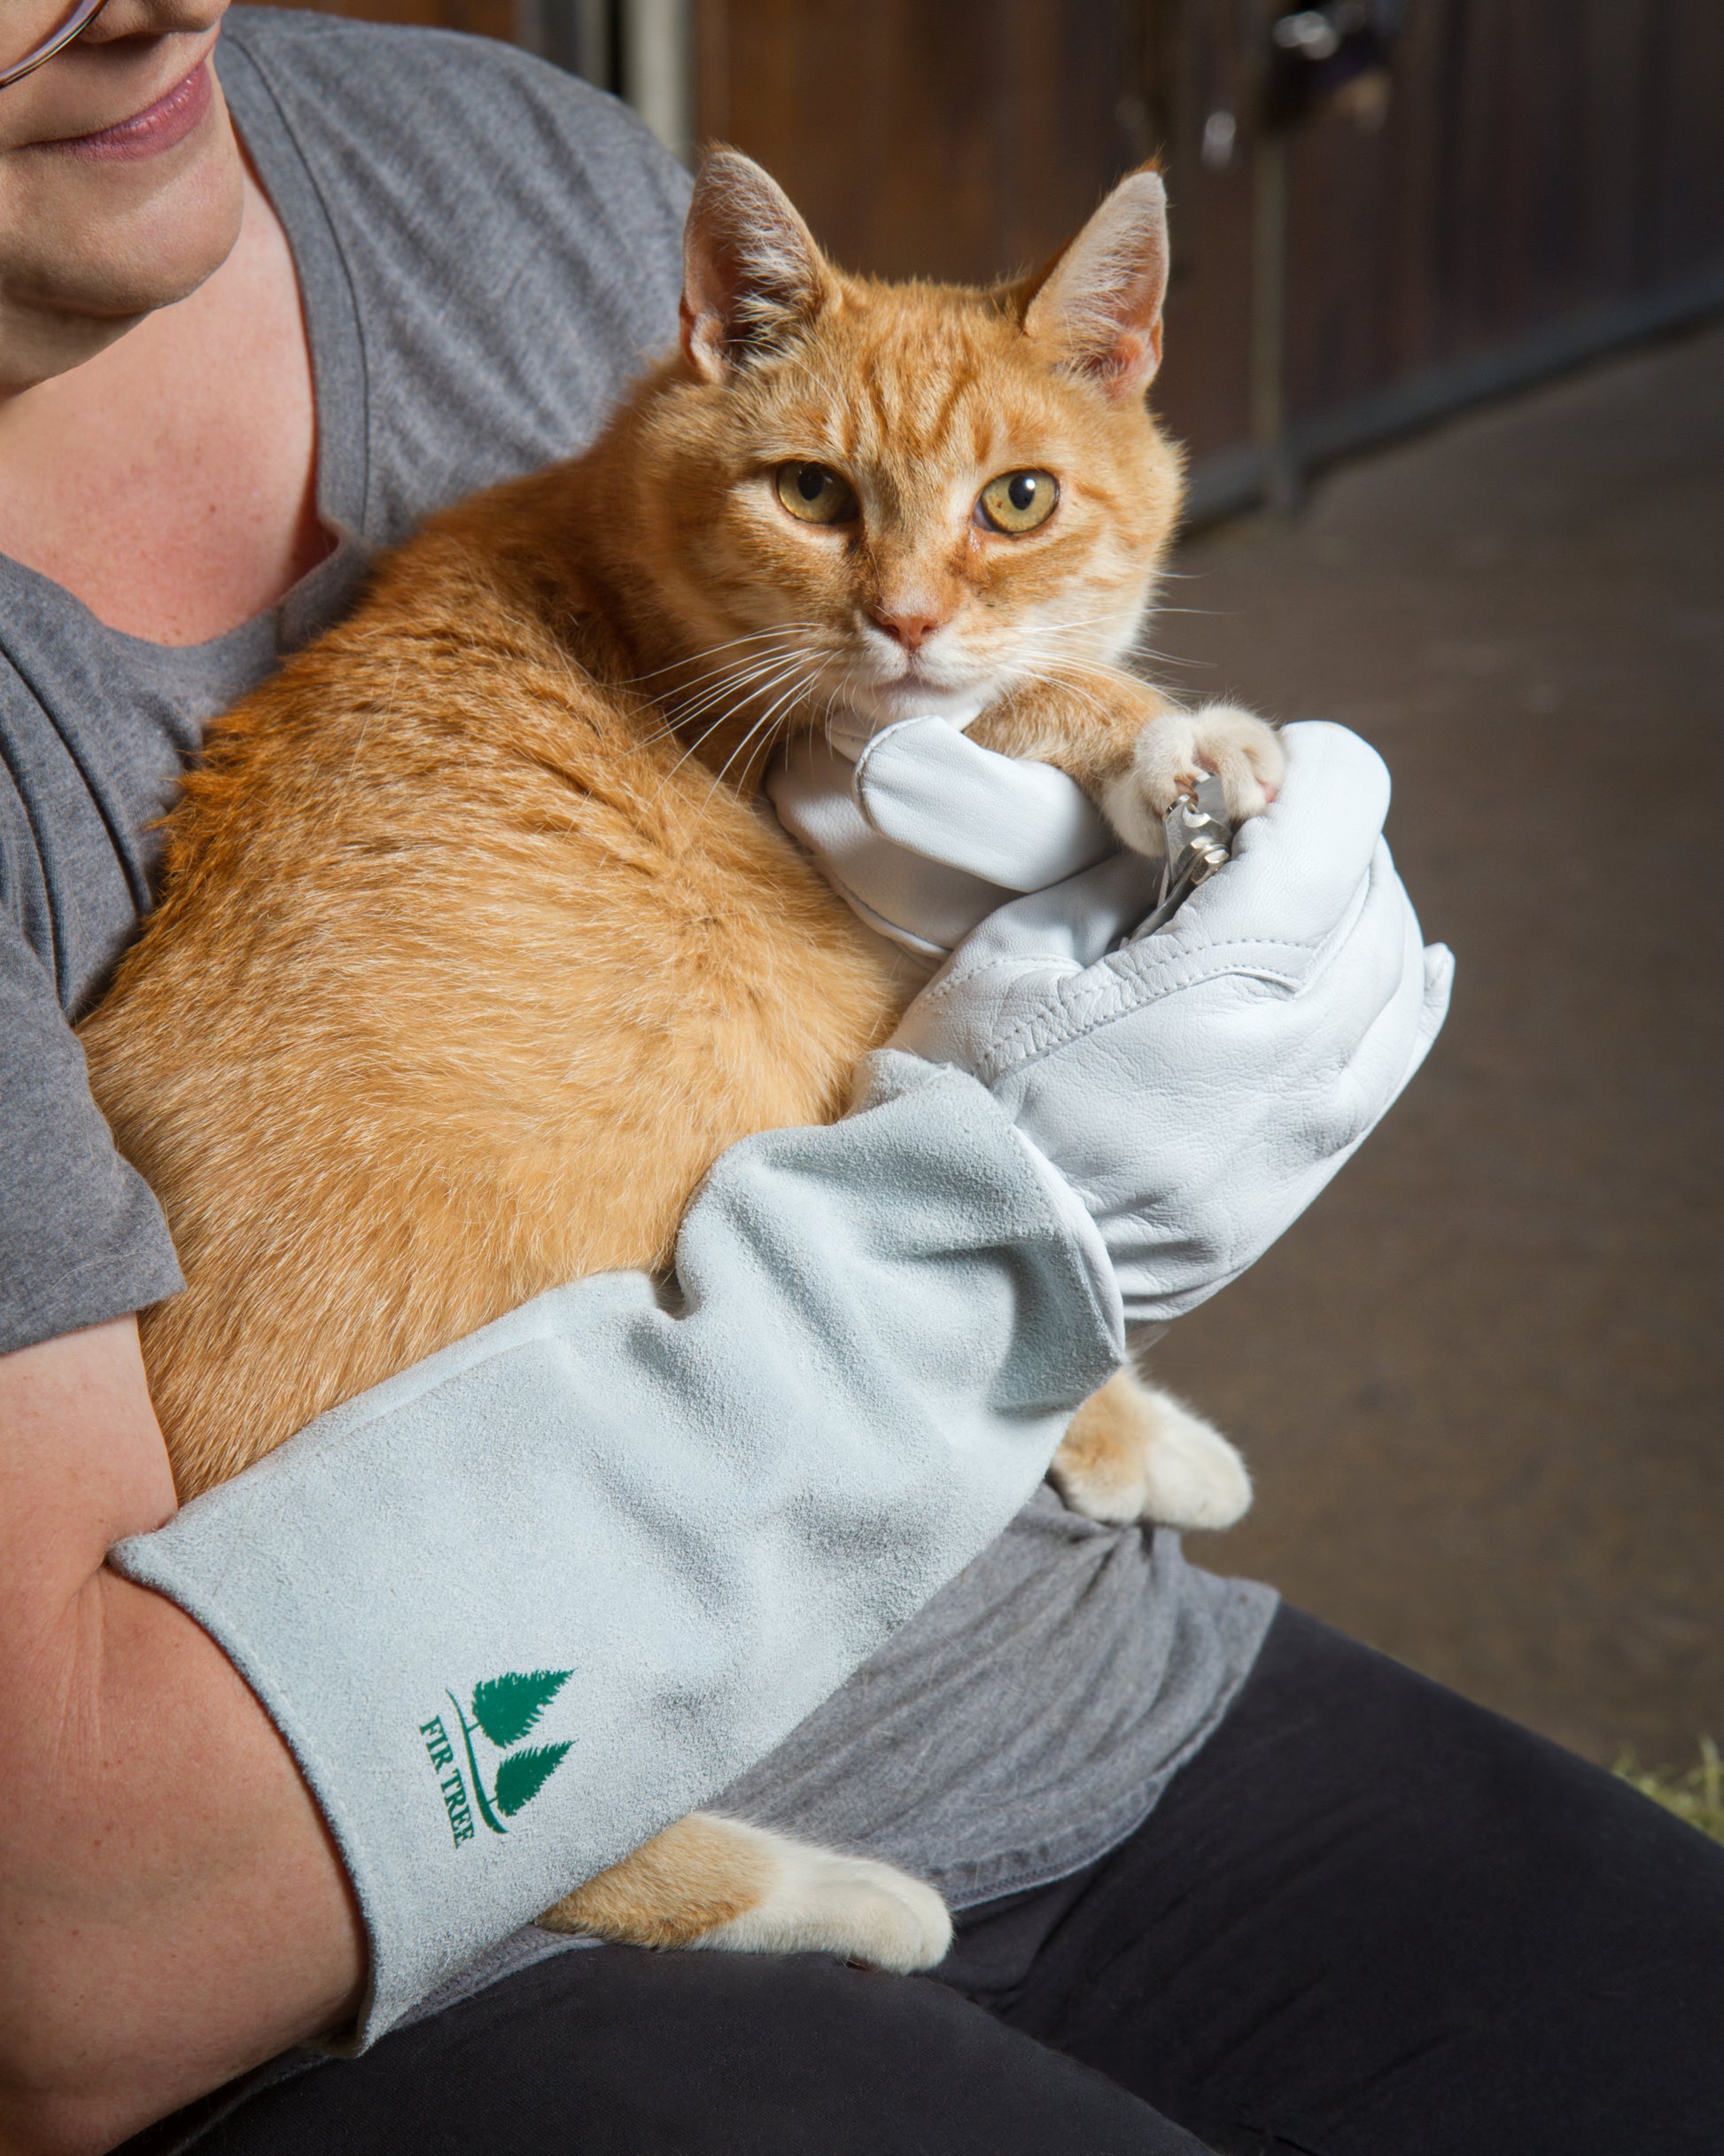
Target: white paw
<point>1172,752</point>
<point>820,1903</point>
<point>1194,1477</point>
<point>1163,1462</point>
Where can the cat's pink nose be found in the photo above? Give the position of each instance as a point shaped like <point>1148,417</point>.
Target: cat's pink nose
<point>911,631</point>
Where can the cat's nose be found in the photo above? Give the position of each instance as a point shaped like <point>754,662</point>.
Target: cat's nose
<point>911,630</point>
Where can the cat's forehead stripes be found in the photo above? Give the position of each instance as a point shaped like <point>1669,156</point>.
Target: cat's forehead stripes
<point>900,407</point>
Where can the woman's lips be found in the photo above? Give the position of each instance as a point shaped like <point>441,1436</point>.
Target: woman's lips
<point>156,127</point>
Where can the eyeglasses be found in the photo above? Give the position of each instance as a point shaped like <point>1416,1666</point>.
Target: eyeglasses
<point>32,31</point>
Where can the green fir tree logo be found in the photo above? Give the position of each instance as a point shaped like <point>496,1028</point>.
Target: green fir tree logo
<point>504,1710</point>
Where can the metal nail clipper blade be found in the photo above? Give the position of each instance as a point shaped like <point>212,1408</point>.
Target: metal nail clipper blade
<point>1200,837</point>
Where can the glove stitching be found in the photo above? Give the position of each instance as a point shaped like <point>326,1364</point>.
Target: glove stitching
<point>1004,1053</point>
<point>940,991</point>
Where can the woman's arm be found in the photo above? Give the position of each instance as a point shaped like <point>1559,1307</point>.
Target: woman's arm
<point>172,1909</point>
<point>679,1514</point>
<point>700,1506</point>
<point>707,1506</point>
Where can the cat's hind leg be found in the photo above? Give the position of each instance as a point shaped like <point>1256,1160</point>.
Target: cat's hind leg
<point>1134,1452</point>
<point>708,1881</point>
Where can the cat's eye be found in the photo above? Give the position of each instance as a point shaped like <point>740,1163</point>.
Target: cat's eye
<point>1018,500</point>
<point>815,493</point>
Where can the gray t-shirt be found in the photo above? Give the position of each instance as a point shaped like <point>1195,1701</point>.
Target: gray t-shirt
<point>488,250</point>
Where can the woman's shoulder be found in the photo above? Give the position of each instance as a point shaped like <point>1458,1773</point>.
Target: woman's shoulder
<point>504,240</point>
<point>436,103</point>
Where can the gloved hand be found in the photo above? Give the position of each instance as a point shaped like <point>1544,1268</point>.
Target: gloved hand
<point>923,834</point>
<point>1195,1089</point>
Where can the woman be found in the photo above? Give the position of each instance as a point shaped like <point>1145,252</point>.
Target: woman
<point>1273,1892</point>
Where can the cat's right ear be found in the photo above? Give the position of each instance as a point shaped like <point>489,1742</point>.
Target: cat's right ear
<point>1098,306</point>
<point>751,273</point>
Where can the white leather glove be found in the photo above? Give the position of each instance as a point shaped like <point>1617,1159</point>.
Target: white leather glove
<point>923,834</point>
<point>1194,1090</point>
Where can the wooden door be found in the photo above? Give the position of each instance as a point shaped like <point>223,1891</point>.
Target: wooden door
<point>1527,180</point>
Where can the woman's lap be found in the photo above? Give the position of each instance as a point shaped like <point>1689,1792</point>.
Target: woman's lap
<point>1371,1919</point>
<point>622,2052</point>
<point>1367,1920</point>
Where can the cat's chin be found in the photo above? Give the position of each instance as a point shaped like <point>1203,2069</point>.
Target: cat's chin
<point>871,708</point>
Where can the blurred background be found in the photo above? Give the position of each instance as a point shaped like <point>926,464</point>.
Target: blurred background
<point>1446,342</point>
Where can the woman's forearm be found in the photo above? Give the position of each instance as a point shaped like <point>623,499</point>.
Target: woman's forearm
<point>172,1909</point>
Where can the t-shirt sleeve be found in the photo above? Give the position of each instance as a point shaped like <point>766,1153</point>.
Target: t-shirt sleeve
<point>509,238</point>
<point>82,1238</point>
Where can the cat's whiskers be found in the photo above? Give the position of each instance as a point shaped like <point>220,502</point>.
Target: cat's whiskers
<point>692,747</point>
<point>751,694</point>
<point>740,674</point>
<point>782,629</point>
<point>1069,671</point>
<point>763,727</point>
<point>764,645</point>
<point>736,679</point>
<point>1076,629</point>
<point>833,695</point>
<point>1056,672</point>
<point>1134,653</point>
<point>765,722</point>
<point>1072,623</point>
<point>779,642</point>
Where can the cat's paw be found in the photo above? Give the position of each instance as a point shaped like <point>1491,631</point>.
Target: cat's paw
<point>1134,1452</point>
<point>1174,750</point>
<point>817,1902</point>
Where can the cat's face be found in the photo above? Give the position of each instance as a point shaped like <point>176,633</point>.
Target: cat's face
<point>901,499</point>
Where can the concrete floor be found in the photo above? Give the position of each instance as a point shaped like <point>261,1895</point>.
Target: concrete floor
<point>1480,1383</point>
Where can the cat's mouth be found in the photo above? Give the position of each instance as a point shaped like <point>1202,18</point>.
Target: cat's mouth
<point>919,685</point>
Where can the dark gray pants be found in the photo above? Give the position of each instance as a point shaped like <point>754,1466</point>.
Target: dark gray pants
<point>1368,1919</point>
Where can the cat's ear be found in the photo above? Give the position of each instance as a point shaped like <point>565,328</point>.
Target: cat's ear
<point>750,270</point>
<point>1099,306</point>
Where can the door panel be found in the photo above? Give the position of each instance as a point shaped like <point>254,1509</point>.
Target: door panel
<point>1542,178</point>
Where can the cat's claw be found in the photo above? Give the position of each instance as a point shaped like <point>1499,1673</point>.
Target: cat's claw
<point>822,1902</point>
<point>1174,750</point>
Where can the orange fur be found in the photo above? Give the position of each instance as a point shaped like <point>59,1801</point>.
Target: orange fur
<point>684,1883</point>
<point>474,954</point>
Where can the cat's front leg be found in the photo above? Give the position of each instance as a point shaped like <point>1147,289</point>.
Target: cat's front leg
<point>1135,753</point>
<point>1170,752</point>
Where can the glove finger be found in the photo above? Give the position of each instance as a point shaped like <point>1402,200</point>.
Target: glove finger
<point>1439,985</point>
<point>924,907</point>
<point>1297,868</point>
<point>925,786</point>
<point>1076,923</point>
<point>920,903</point>
<point>808,785</point>
<point>1436,976</point>
<point>1392,1049</point>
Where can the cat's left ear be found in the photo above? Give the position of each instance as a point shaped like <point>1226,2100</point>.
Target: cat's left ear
<point>751,272</point>
<point>1098,306</point>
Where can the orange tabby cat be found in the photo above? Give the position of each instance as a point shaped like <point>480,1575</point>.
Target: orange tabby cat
<point>473,955</point>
